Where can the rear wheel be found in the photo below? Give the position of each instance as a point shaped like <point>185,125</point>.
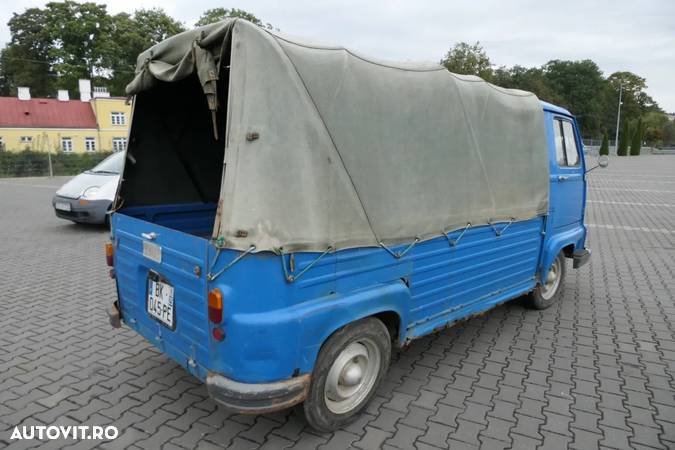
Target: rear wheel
<point>348,370</point>
<point>548,292</point>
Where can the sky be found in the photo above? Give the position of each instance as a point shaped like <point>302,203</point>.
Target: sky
<point>637,36</point>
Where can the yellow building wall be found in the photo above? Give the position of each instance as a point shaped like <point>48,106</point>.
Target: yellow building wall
<point>49,139</point>
<point>46,139</point>
<point>103,109</point>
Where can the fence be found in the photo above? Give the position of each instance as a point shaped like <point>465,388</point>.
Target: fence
<point>36,164</point>
<point>596,143</point>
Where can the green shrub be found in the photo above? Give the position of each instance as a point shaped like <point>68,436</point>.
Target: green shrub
<point>604,147</point>
<point>636,141</point>
<point>624,137</point>
<point>29,163</point>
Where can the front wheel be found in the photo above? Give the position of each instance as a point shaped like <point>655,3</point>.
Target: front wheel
<point>548,292</point>
<point>348,370</point>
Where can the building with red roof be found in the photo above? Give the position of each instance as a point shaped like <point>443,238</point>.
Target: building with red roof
<point>95,122</point>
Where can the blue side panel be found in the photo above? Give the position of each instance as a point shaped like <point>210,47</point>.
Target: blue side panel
<point>448,282</point>
<point>274,328</point>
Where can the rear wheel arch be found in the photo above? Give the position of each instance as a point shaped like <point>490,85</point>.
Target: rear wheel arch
<point>391,320</point>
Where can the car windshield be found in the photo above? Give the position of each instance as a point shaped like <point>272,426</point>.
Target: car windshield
<point>112,164</point>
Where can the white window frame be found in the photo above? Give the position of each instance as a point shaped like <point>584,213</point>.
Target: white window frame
<point>2,143</point>
<point>67,148</point>
<point>118,118</point>
<point>90,144</point>
<point>563,139</point>
<point>26,140</point>
<point>119,144</point>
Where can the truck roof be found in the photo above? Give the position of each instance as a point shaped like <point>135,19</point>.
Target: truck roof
<point>556,109</point>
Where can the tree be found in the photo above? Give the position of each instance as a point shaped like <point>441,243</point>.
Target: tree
<point>52,47</point>
<point>26,58</point>
<point>636,140</point>
<point>669,133</point>
<point>654,124</point>
<point>78,34</point>
<point>624,137</point>
<point>635,102</point>
<point>530,79</point>
<point>604,147</point>
<point>217,14</point>
<point>580,85</point>
<point>131,35</point>
<point>467,59</point>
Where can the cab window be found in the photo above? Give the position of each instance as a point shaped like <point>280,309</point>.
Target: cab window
<point>559,146</point>
<point>566,151</point>
<point>571,153</point>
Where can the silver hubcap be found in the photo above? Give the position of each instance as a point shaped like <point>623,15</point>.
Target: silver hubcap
<point>352,376</point>
<point>550,286</point>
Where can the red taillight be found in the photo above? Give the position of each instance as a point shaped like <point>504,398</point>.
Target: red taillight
<point>109,253</point>
<point>215,306</point>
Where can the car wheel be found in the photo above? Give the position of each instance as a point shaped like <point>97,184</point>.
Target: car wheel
<point>348,370</point>
<point>548,292</point>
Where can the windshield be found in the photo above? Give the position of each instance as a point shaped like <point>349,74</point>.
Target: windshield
<point>112,164</point>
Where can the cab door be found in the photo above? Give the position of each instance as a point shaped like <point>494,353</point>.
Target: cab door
<point>567,174</point>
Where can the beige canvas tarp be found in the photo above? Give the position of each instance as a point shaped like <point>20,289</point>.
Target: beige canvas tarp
<point>325,147</point>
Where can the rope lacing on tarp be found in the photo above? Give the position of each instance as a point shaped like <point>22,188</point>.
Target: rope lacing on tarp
<point>454,242</point>
<point>290,278</point>
<point>399,255</point>
<point>500,232</point>
<point>212,276</point>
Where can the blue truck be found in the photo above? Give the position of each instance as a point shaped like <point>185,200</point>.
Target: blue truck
<point>305,210</point>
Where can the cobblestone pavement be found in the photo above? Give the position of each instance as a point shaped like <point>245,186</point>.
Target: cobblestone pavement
<point>595,370</point>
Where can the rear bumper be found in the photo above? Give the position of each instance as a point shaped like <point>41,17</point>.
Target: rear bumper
<point>257,398</point>
<point>245,398</point>
<point>581,257</point>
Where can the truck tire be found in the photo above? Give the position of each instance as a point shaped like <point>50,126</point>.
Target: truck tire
<point>546,294</point>
<point>348,370</point>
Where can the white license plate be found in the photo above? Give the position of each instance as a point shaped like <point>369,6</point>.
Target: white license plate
<point>152,251</point>
<point>62,206</point>
<point>160,304</point>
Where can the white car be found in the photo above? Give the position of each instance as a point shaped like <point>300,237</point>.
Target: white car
<point>87,198</point>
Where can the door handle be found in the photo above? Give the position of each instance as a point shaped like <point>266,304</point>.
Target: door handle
<point>149,236</point>
<point>562,178</point>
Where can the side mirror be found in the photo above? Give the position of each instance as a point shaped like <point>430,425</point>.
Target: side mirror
<point>603,161</point>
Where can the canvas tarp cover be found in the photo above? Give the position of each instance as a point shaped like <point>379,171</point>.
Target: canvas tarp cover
<point>352,151</point>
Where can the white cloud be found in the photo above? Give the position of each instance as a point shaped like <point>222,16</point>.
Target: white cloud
<point>618,35</point>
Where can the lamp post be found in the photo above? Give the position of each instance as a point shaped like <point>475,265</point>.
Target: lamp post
<point>618,120</point>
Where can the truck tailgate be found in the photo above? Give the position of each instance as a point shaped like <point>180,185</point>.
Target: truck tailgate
<point>152,261</point>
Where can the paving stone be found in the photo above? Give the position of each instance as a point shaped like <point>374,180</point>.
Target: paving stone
<point>593,371</point>
<point>437,434</point>
<point>373,439</point>
<point>405,436</point>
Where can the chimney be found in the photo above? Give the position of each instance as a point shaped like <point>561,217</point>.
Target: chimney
<point>85,90</point>
<point>62,95</point>
<point>23,93</point>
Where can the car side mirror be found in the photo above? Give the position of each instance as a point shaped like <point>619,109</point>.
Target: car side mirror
<point>603,161</point>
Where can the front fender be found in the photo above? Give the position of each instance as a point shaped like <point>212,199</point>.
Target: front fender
<point>554,243</point>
